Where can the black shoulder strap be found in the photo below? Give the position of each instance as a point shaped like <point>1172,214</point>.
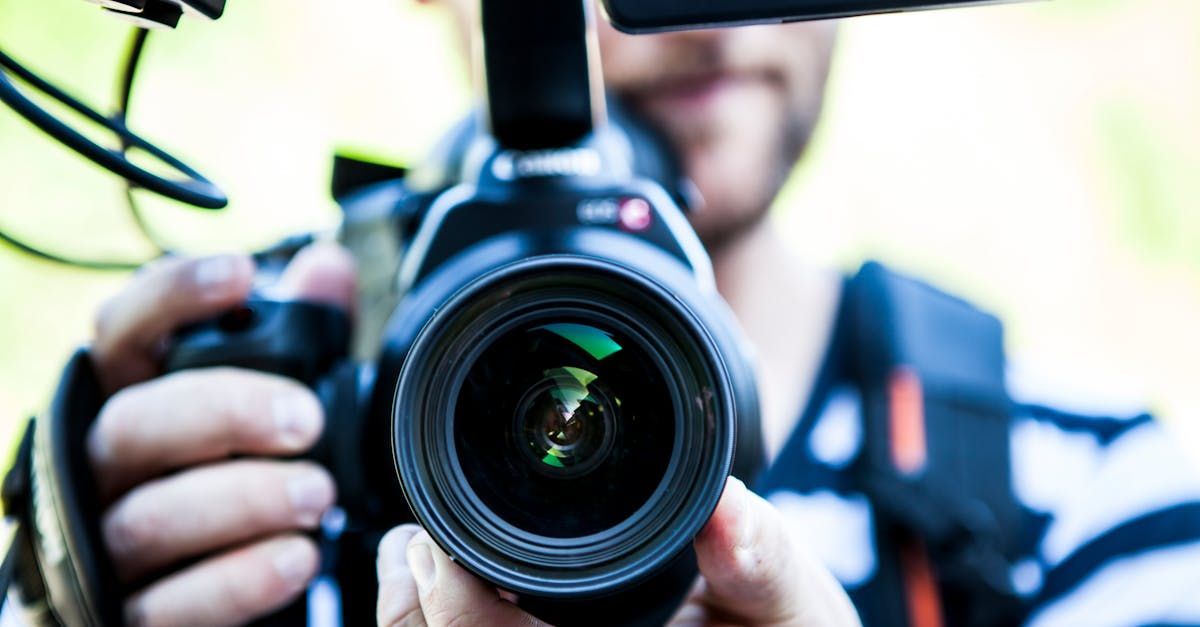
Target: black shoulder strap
<point>936,462</point>
<point>12,494</point>
<point>57,564</point>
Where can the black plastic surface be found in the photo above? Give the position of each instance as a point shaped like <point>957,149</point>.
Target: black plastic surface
<point>659,15</point>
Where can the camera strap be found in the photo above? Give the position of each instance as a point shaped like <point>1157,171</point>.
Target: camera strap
<point>15,483</point>
<point>56,565</point>
<point>936,462</point>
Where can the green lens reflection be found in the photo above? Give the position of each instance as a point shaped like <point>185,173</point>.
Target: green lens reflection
<point>595,342</point>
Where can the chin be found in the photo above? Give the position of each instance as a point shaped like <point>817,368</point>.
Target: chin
<point>720,225</point>
<point>738,184</point>
<point>732,148</point>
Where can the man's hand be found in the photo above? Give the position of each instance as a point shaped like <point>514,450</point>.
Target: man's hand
<point>753,571</point>
<point>207,539</point>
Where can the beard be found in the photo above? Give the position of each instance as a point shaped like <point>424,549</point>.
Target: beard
<point>738,107</point>
<point>739,196</point>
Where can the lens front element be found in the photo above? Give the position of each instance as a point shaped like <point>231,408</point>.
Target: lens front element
<point>565,422</point>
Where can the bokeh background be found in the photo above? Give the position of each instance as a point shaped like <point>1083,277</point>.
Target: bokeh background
<point>1041,159</point>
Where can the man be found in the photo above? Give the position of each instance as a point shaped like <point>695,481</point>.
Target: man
<point>219,540</point>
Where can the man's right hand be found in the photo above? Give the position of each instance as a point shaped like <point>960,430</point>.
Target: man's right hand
<point>201,515</point>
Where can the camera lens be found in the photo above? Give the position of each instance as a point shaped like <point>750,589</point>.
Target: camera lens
<point>563,426</point>
<point>564,423</point>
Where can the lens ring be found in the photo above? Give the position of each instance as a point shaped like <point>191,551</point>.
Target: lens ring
<point>579,566</point>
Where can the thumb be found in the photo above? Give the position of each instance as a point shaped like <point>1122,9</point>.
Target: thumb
<point>756,573</point>
<point>420,585</point>
<point>398,603</point>
<point>321,273</point>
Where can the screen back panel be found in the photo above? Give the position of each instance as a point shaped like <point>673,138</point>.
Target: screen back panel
<point>636,16</point>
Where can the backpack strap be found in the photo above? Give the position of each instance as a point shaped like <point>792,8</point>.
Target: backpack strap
<point>935,462</point>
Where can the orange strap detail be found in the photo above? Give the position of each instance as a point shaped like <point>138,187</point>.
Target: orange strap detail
<point>906,412</point>
<point>909,452</point>
<point>920,586</point>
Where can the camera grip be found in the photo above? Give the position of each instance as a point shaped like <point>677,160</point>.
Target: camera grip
<point>304,341</point>
<point>291,338</point>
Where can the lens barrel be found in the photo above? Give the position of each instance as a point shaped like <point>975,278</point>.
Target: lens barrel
<point>563,426</point>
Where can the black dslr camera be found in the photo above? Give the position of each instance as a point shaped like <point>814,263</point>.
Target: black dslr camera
<point>559,394</point>
<point>560,388</point>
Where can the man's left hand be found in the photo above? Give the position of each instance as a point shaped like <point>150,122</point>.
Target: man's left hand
<point>753,571</point>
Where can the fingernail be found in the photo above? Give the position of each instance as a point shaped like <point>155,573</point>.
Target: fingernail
<point>420,561</point>
<point>297,419</point>
<point>392,561</point>
<point>214,271</point>
<point>745,552</point>
<point>311,493</point>
<point>739,497</point>
<point>293,561</point>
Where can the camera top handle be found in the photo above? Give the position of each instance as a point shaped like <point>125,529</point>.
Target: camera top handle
<point>542,81</point>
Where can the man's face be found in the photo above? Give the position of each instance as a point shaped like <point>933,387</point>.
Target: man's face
<point>738,105</point>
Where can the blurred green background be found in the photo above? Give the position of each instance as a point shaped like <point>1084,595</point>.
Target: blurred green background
<point>1042,159</point>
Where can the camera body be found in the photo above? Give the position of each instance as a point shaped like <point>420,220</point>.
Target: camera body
<point>559,390</point>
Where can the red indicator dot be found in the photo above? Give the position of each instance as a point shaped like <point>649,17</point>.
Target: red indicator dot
<point>634,214</point>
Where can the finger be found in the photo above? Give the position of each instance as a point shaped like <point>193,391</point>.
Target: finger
<point>398,601</point>
<point>197,416</point>
<point>132,326</point>
<point>230,589</point>
<point>211,507</point>
<point>321,273</point>
<point>452,596</point>
<point>755,572</point>
<point>693,612</point>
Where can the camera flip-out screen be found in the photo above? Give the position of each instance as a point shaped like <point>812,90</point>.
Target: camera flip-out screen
<point>654,15</point>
